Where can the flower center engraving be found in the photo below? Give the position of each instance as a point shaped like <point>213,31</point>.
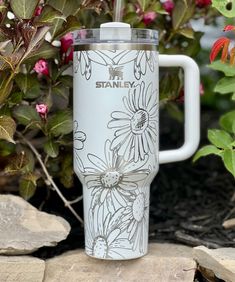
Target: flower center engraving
<point>110,179</point>
<point>139,121</point>
<point>100,247</point>
<point>138,207</point>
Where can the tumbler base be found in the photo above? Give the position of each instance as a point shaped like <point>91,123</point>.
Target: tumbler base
<point>116,259</point>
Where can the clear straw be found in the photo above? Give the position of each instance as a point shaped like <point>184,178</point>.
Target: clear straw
<point>118,10</point>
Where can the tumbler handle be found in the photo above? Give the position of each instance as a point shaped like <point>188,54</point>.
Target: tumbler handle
<point>192,107</point>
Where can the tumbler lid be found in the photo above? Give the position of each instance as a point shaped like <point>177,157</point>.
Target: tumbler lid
<point>115,32</point>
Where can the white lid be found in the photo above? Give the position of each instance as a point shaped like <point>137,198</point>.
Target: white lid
<point>115,31</point>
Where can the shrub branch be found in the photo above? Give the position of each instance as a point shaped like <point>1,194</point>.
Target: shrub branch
<point>50,181</point>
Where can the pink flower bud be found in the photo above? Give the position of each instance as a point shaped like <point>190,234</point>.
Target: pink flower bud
<point>138,9</point>
<point>66,47</point>
<point>202,91</point>
<point>41,67</point>
<point>38,11</point>
<point>180,98</point>
<point>203,3</point>
<point>42,109</point>
<point>149,17</point>
<point>168,6</point>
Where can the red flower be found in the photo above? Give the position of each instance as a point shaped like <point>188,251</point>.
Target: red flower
<point>66,47</point>
<point>203,3</point>
<point>168,6</point>
<point>149,17</point>
<point>220,44</point>
<point>41,67</point>
<point>42,109</point>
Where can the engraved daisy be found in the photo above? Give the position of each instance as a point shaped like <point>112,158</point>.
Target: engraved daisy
<point>103,235</point>
<point>137,127</point>
<point>135,216</point>
<point>143,61</point>
<point>113,179</point>
<point>79,138</point>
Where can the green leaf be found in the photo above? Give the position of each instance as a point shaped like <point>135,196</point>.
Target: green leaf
<point>175,112</point>
<point>222,7</point>
<point>7,128</point>
<point>66,7</point>
<point>45,51</point>
<point>227,69</point>
<point>24,9</point>
<point>220,138</point>
<point>229,161</point>
<point>49,14</point>
<point>187,32</point>
<point>28,185</point>
<point>3,45</point>
<point>66,80</point>
<point>70,25</point>
<point>225,85</point>
<point>66,174</point>
<point>16,163</point>
<point>6,148</point>
<point>15,98</point>
<point>60,123</point>
<point>36,41</point>
<point>26,115</point>
<point>205,151</point>
<point>179,12</point>
<point>29,85</point>
<point>30,165</point>
<point>227,122</point>
<point>157,7</point>
<point>51,148</point>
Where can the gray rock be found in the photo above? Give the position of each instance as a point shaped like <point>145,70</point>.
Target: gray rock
<point>164,263</point>
<point>24,229</point>
<point>220,261</point>
<point>21,269</point>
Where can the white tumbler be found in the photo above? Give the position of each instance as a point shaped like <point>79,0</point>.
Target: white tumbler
<point>116,133</point>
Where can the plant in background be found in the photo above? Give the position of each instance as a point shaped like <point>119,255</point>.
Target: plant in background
<point>36,82</point>
<point>223,140</point>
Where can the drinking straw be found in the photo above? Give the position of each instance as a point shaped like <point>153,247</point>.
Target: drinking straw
<point>118,10</point>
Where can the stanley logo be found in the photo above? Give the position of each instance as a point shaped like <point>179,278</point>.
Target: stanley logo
<point>116,77</point>
<point>115,73</point>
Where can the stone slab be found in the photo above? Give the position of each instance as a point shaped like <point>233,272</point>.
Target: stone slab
<point>24,229</point>
<point>220,261</point>
<point>164,263</point>
<point>21,269</point>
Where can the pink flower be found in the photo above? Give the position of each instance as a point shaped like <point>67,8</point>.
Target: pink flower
<point>203,3</point>
<point>38,11</point>
<point>41,67</point>
<point>168,6</point>
<point>149,17</point>
<point>66,47</point>
<point>42,109</point>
